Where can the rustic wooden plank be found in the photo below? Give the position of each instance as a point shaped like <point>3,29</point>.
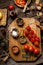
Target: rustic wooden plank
<point>4,13</point>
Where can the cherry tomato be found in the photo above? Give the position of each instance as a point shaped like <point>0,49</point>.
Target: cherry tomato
<point>28,28</point>
<point>36,44</point>
<point>37,39</point>
<point>26,32</point>
<point>32,32</point>
<point>29,36</point>
<point>36,51</point>
<point>10,7</point>
<point>34,35</point>
<point>32,40</point>
<point>31,49</point>
<point>26,47</point>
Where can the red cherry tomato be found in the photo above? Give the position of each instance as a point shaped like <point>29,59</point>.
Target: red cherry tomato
<point>31,49</point>
<point>32,32</point>
<point>29,36</point>
<point>26,47</point>
<point>37,39</point>
<point>36,44</point>
<point>28,28</point>
<point>10,7</point>
<point>26,32</point>
<point>32,40</point>
<point>36,51</point>
<point>34,35</point>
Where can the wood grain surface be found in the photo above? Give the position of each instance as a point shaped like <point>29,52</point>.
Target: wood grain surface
<point>4,19</point>
<point>12,42</point>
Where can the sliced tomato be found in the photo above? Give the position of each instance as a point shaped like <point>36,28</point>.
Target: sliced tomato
<point>24,0</point>
<point>17,1</point>
<point>21,2</point>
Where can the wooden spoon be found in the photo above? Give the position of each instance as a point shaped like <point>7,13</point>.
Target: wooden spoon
<point>28,2</point>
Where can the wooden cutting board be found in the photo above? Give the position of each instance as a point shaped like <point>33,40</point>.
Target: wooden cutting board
<point>4,13</point>
<point>12,42</point>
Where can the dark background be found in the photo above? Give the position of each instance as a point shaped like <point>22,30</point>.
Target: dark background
<point>4,4</point>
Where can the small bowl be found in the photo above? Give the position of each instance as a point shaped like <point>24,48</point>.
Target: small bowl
<point>13,14</point>
<point>22,40</point>
<point>20,22</point>
<point>14,32</point>
<point>15,50</point>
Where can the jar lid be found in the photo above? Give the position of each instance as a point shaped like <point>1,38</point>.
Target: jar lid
<point>22,40</point>
<point>20,22</point>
